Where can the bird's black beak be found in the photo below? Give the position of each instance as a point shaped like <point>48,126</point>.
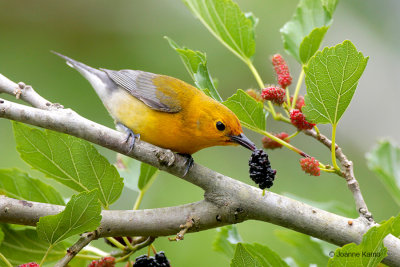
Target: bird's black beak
<point>242,140</point>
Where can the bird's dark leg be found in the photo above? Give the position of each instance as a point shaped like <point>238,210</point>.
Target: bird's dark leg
<point>189,162</point>
<point>130,135</point>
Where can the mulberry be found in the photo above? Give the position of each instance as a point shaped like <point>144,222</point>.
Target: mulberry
<point>159,260</point>
<point>260,169</point>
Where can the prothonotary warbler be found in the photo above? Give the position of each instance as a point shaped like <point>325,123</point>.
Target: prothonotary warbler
<point>163,110</point>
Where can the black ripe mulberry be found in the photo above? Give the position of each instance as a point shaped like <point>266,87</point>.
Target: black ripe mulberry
<point>159,260</point>
<point>260,169</point>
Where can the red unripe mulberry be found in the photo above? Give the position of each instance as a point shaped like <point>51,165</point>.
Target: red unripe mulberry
<point>268,143</point>
<point>282,71</point>
<point>299,102</point>
<point>103,262</point>
<point>254,94</point>
<point>310,165</point>
<point>274,94</point>
<point>299,120</point>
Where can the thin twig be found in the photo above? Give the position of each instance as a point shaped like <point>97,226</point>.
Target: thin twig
<point>83,241</point>
<point>348,174</point>
<point>184,228</point>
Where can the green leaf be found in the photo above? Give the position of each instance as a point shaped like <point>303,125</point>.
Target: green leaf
<point>69,160</point>
<point>330,5</point>
<point>384,160</point>
<point>255,255</point>
<point>226,240</point>
<point>225,20</point>
<point>371,251</point>
<point>17,184</point>
<point>331,79</point>
<point>303,34</point>
<point>78,262</point>
<point>254,20</point>
<point>1,236</point>
<point>82,214</point>
<point>196,64</point>
<point>22,246</point>
<point>247,109</point>
<point>147,175</point>
<point>311,43</point>
<point>331,206</point>
<point>304,250</point>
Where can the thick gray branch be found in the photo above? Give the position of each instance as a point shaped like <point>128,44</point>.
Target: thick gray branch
<point>227,201</point>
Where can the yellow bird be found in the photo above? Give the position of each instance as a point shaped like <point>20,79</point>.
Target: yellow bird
<point>163,110</point>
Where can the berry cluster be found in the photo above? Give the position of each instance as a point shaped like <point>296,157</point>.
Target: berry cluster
<point>274,94</point>
<point>103,262</point>
<point>282,70</point>
<point>254,94</point>
<point>119,239</point>
<point>268,143</point>
<point>310,165</point>
<point>299,120</point>
<point>260,169</point>
<point>159,260</point>
<point>30,264</point>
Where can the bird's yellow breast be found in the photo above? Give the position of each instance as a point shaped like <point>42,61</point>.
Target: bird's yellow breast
<point>175,131</point>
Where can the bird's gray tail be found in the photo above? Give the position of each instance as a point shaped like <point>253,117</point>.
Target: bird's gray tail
<point>97,78</point>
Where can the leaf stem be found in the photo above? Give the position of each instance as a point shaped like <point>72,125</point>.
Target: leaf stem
<point>255,73</point>
<point>293,135</point>
<point>139,199</point>
<point>317,130</point>
<point>116,243</point>
<point>267,109</point>
<point>125,257</point>
<point>128,244</point>
<point>4,259</point>
<point>276,139</point>
<point>153,248</point>
<point>280,117</point>
<point>288,97</point>
<point>45,255</point>
<point>328,170</point>
<point>94,250</point>
<point>260,83</point>
<point>87,257</point>
<point>298,86</point>
<point>333,147</point>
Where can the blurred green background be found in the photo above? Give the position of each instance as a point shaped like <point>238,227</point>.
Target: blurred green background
<point>129,34</point>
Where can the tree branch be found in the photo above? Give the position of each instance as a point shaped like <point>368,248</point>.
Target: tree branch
<point>227,201</point>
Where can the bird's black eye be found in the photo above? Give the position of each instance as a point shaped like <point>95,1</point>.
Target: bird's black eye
<point>220,126</point>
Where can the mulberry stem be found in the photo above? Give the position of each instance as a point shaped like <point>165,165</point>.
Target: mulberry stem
<point>298,86</point>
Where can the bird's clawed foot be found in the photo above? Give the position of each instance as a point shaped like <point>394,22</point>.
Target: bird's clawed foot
<point>189,162</point>
<point>130,138</point>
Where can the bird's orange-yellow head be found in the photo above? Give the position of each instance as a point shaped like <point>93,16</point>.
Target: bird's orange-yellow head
<point>216,125</point>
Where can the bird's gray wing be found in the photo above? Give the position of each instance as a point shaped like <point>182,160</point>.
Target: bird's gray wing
<point>141,85</point>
